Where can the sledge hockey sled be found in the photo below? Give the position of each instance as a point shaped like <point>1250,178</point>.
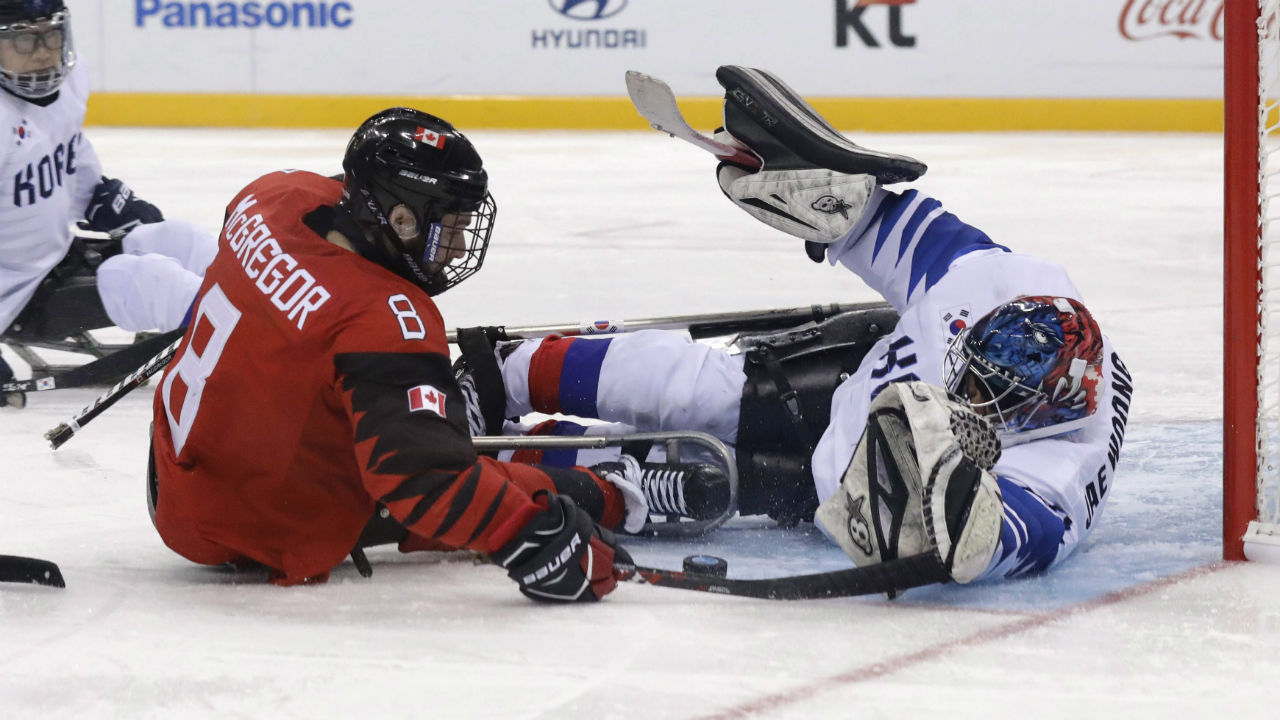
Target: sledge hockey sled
<point>679,447</point>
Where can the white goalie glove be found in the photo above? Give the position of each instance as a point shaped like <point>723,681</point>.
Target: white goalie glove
<point>812,204</point>
<point>920,482</point>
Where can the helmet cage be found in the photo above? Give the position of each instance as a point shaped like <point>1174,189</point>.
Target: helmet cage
<point>38,84</point>
<point>1032,366</point>
<point>992,392</point>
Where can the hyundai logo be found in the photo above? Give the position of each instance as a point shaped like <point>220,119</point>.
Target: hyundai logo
<point>588,9</point>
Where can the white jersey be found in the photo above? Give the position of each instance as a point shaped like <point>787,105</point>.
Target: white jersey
<point>48,172</point>
<point>942,275</point>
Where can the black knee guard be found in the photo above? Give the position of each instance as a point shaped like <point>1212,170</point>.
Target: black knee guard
<point>786,404</point>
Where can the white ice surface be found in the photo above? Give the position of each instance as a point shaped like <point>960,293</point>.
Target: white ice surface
<point>1140,624</point>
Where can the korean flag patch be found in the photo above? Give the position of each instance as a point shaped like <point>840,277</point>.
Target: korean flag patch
<point>955,319</point>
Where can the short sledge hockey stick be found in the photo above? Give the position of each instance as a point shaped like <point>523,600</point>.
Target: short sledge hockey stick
<point>699,326</point>
<point>16,569</point>
<point>97,372</point>
<point>58,436</point>
<point>656,103</point>
<point>887,578</point>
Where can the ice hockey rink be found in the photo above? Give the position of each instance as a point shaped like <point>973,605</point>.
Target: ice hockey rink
<point>1143,622</point>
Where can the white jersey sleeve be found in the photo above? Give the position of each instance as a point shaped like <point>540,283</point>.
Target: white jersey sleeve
<point>905,244</point>
<point>47,174</point>
<point>86,179</point>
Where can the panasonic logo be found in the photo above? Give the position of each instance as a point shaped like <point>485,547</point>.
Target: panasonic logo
<point>152,13</point>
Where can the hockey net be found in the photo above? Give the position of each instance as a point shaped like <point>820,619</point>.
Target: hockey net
<point>1251,361</point>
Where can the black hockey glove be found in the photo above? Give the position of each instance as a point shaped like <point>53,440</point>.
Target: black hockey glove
<point>560,555</point>
<point>115,210</point>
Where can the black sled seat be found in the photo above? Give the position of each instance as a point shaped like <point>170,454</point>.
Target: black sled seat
<point>786,405</point>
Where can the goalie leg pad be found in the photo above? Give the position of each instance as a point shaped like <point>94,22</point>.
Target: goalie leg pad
<point>920,482</point>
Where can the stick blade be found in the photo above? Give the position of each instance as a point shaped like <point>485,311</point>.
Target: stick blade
<point>33,571</point>
<point>59,436</point>
<point>656,103</point>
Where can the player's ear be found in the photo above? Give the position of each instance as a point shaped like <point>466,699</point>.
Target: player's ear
<point>403,222</point>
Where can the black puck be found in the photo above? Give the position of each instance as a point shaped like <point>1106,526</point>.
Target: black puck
<point>706,565</point>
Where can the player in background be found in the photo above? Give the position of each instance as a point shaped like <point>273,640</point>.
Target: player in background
<point>886,450</point>
<point>53,285</point>
<point>311,408</point>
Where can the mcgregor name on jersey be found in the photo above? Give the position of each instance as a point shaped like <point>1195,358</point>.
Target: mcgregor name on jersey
<point>276,273</point>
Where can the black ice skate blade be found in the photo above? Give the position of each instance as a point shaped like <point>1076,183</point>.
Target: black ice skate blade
<point>764,113</point>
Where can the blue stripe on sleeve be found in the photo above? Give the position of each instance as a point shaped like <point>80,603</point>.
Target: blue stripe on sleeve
<point>563,457</point>
<point>946,239</point>
<point>927,206</point>
<point>580,376</point>
<point>1032,530</point>
<point>890,211</point>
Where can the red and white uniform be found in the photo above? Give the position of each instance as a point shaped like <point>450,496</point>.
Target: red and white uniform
<point>313,385</point>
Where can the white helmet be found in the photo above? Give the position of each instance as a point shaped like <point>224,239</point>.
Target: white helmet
<point>25,27</point>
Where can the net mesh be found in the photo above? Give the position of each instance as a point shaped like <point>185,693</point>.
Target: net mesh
<point>1269,219</point>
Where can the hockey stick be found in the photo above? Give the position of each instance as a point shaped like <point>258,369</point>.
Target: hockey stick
<point>888,577</point>
<point>699,326</point>
<point>656,102</point>
<point>30,570</point>
<point>99,371</point>
<point>58,436</point>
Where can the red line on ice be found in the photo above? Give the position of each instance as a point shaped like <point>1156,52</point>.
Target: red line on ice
<point>933,652</point>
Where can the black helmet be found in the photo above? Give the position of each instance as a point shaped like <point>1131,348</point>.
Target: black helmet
<point>406,157</point>
<point>26,25</point>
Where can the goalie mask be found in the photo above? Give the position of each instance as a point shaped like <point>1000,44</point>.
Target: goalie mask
<point>36,51</point>
<point>1031,366</point>
<point>418,190</point>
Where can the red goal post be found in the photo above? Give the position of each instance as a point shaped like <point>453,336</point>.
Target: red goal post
<point>1251,320</point>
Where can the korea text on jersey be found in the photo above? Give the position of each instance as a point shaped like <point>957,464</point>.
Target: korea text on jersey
<point>150,13</point>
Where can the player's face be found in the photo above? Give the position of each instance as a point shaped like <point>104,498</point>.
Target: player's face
<point>37,47</point>
<point>453,239</point>
<point>975,391</point>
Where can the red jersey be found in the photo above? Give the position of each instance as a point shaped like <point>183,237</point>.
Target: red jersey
<point>313,386</point>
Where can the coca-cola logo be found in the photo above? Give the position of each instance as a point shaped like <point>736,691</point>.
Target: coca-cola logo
<point>1147,19</point>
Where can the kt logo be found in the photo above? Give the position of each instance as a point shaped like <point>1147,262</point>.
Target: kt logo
<point>852,18</point>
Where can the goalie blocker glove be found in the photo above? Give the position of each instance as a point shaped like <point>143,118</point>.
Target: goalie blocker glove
<point>560,555</point>
<point>115,210</point>
<point>920,482</point>
<point>817,205</point>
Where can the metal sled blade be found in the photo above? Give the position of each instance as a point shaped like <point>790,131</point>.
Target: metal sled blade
<point>656,103</point>
<point>672,442</point>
